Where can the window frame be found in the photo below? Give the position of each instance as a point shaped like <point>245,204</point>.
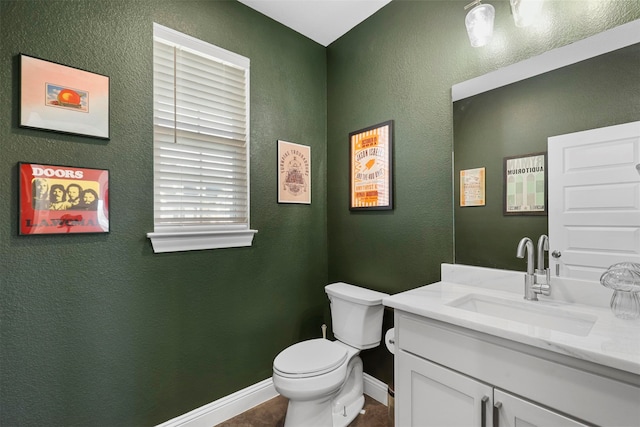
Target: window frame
<point>186,237</point>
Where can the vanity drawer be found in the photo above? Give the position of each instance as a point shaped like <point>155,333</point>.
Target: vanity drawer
<point>583,390</point>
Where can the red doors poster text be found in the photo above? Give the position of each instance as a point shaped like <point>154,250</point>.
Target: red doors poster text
<point>63,199</point>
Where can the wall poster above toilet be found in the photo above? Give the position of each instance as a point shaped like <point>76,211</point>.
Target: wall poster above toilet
<point>294,173</point>
<point>370,167</point>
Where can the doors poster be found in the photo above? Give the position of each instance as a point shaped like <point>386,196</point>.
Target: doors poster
<point>370,168</point>
<point>62,199</point>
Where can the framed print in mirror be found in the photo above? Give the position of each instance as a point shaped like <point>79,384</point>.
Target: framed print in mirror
<point>525,184</point>
<point>370,167</point>
<point>294,173</point>
<point>62,199</point>
<point>472,187</point>
<point>60,98</point>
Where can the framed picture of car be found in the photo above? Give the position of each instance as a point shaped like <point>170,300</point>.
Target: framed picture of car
<point>60,98</point>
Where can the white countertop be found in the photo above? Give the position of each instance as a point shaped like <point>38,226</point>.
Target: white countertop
<point>611,341</point>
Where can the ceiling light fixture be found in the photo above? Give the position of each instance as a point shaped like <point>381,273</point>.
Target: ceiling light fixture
<point>525,12</point>
<point>479,23</point>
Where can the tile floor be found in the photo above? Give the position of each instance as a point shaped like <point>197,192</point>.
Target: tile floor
<point>271,414</point>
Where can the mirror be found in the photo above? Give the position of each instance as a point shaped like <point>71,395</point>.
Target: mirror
<point>513,111</point>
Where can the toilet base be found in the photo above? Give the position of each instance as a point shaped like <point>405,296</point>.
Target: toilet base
<point>333,410</point>
<point>310,413</point>
<point>349,413</point>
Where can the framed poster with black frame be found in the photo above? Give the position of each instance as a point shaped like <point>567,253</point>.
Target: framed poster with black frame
<point>57,199</point>
<point>525,184</point>
<point>371,168</point>
<point>63,99</point>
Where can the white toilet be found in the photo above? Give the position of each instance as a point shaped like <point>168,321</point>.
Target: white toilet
<point>323,379</point>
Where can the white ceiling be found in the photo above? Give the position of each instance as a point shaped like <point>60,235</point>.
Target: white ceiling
<point>323,21</point>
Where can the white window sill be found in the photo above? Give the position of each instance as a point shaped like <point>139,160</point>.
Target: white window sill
<point>199,240</point>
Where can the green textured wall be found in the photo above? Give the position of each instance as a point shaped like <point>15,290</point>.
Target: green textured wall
<point>97,330</point>
<point>400,64</point>
<point>517,120</point>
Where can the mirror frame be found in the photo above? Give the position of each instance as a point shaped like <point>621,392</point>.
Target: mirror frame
<point>601,43</point>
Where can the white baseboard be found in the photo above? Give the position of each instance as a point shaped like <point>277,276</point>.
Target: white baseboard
<point>234,404</point>
<point>375,389</point>
<point>225,408</point>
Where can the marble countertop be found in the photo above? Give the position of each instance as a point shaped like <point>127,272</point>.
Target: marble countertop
<point>611,341</point>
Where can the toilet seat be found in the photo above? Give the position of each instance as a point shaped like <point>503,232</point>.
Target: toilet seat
<point>309,359</point>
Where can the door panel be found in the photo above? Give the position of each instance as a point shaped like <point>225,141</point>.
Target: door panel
<point>594,199</point>
<point>430,395</point>
<point>516,412</point>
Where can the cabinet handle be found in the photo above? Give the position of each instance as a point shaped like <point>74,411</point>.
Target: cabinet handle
<point>483,411</point>
<point>496,413</point>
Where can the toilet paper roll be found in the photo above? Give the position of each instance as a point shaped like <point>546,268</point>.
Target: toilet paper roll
<point>389,340</point>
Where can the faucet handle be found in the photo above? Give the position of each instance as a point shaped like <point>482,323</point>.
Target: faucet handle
<point>542,288</point>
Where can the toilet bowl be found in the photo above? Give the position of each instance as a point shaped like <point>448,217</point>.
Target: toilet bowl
<point>311,390</point>
<point>323,379</point>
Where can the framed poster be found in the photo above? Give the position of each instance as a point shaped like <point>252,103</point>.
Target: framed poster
<point>472,187</point>
<point>63,99</point>
<point>370,167</point>
<point>62,199</point>
<point>294,173</point>
<point>525,184</point>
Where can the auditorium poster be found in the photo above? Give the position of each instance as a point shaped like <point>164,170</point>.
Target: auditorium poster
<point>525,185</point>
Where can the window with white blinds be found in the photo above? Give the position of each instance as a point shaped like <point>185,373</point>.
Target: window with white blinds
<point>200,144</point>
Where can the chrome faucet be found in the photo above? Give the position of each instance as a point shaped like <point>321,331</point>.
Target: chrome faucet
<point>543,245</point>
<point>531,286</point>
<point>526,245</point>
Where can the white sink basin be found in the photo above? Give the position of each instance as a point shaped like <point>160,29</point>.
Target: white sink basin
<point>528,313</point>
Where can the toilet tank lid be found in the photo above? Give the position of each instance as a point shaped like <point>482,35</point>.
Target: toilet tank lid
<point>355,293</point>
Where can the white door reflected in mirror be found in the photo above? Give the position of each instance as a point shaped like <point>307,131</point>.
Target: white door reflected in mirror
<point>594,200</point>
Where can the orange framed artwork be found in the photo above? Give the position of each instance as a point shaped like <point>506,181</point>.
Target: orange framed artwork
<point>472,187</point>
<point>64,99</point>
<point>371,167</point>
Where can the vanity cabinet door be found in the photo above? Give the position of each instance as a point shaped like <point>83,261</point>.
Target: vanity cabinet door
<point>512,411</point>
<point>430,395</point>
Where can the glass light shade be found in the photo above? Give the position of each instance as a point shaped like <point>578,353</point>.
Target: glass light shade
<point>479,22</point>
<point>525,12</point>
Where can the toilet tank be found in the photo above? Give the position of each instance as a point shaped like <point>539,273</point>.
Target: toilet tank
<point>356,314</point>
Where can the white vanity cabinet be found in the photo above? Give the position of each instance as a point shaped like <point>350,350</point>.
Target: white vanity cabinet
<point>439,396</point>
<point>443,397</point>
<point>448,375</point>
<point>512,411</point>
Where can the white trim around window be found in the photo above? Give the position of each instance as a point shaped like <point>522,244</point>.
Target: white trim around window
<point>201,145</point>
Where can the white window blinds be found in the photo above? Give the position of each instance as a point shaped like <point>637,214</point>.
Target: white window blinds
<point>201,135</point>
